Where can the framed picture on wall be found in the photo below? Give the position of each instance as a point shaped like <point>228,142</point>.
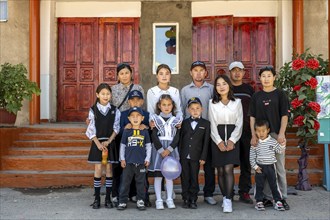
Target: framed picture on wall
<point>166,46</point>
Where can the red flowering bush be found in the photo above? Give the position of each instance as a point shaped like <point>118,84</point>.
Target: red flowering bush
<point>299,120</point>
<point>296,103</point>
<point>315,106</point>
<point>298,64</point>
<point>312,83</point>
<point>297,79</point>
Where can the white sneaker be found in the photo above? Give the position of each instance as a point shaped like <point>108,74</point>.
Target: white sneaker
<point>223,201</point>
<point>227,206</point>
<point>159,204</point>
<point>170,204</point>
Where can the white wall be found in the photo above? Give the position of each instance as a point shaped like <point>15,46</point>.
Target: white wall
<point>98,9</point>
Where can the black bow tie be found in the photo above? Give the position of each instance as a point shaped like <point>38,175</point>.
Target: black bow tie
<point>194,119</point>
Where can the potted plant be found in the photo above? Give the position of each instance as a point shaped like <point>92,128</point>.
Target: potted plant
<point>297,79</point>
<point>14,88</point>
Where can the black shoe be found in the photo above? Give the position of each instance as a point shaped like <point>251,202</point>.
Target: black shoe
<point>193,205</point>
<point>285,204</point>
<point>185,204</point>
<point>108,204</point>
<point>245,197</point>
<point>267,203</point>
<point>147,203</point>
<point>96,204</point>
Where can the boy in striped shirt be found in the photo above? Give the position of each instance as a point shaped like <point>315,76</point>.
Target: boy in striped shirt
<point>262,160</point>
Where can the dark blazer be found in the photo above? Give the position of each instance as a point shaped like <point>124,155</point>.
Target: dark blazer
<point>194,142</point>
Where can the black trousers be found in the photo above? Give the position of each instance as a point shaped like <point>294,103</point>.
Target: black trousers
<point>129,172</point>
<point>244,184</point>
<point>189,179</point>
<point>269,174</point>
<point>209,174</point>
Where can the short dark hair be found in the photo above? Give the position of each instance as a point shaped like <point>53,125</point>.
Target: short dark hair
<point>267,68</point>
<point>121,66</point>
<point>260,123</point>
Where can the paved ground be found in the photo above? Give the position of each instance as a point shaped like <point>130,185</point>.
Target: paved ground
<point>73,203</point>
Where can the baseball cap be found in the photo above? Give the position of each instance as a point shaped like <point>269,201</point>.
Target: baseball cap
<point>236,64</point>
<point>135,93</point>
<point>198,63</point>
<point>135,109</point>
<point>194,100</point>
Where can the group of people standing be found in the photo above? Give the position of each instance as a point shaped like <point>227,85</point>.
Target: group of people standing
<point>219,126</point>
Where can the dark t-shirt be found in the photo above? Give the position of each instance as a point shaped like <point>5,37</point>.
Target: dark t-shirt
<point>135,142</point>
<point>244,92</point>
<point>270,106</point>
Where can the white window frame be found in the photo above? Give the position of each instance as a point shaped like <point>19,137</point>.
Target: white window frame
<point>154,63</point>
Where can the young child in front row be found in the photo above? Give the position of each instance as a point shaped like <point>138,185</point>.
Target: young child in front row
<point>135,151</point>
<point>262,160</point>
<point>102,129</point>
<point>135,99</point>
<point>165,139</point>
<point>193,146</point>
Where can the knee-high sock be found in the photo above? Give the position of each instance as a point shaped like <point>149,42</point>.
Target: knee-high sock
<point>108,184</point>
<point>97,186</point>
<point>169,189</point>
<point>158,188</point>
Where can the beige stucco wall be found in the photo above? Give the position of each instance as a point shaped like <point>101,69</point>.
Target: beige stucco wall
<point>316,27</point>
<point>161,12</point>
<point>14,43</point>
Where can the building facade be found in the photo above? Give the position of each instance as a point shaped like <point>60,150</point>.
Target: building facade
<point>74,36</point>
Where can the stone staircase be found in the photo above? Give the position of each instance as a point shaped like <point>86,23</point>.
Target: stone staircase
<point>56,156</point>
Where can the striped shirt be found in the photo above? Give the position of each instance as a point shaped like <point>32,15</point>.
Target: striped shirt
<point>264,152</point>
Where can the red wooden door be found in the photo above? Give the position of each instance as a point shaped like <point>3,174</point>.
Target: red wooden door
<point>254,44</point>
<point>89,50</point>
<point>77,67</point>
<point>118,42</point>
<point>220,40</point>
<point>212,43</point>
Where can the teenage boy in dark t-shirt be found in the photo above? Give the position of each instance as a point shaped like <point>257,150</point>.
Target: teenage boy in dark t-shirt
<point>244,92</point>
<point>271,104</point>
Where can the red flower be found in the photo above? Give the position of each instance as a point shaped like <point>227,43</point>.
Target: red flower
<point>298,64</point>
<point>315,106</point>
<point>316,125</point>
<point>299,120</point>
<point>312,83</point>
<point>297,88</point>
<point>312,64</point>
<point>296,103</point>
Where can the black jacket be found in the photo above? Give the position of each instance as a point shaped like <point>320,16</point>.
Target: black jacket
<point>194,142</point>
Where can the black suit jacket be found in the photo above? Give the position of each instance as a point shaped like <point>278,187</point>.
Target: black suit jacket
<point>194,142</point>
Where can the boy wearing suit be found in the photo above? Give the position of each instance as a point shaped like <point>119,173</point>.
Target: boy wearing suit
<point>193,146</point>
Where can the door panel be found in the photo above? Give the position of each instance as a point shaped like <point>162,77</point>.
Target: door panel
<point>254,45</point>
<point>220,40</point>
<point>212,40</point>
<point>89,50</point>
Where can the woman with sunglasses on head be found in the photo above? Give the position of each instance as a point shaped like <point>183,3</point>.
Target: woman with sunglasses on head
<point>271,104</point>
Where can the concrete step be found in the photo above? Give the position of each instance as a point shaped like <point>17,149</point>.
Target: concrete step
<point>51,136</point>
<point>46,163</point>
<point>35,151</point>
<point>53,143</point>
<point>56,179</point>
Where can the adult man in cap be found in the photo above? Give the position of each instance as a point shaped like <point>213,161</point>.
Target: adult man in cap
<point>204,91</point>
<point>244,92</point>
